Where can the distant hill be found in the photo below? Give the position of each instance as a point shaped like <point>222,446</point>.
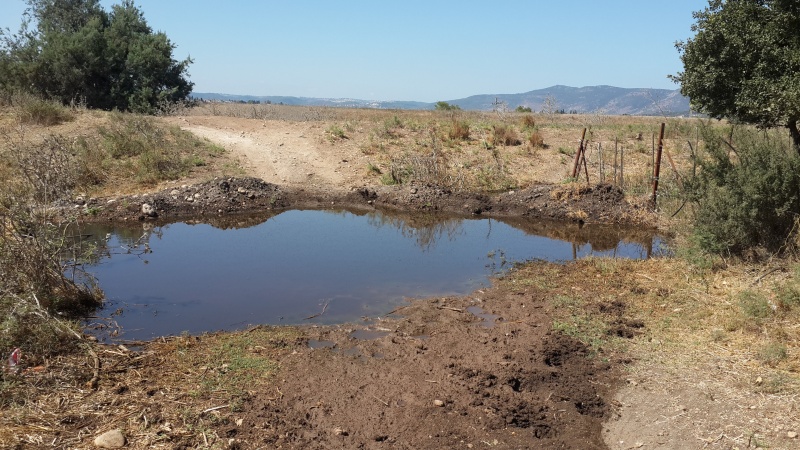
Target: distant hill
<point>311,101</point>
<point>606,99</point>
<point>590,99</point>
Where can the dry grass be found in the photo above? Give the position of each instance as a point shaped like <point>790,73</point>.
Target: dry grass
<point>717,357</point>
<point>118,153</point>
<point>164,395</point>
<point>465,137</point>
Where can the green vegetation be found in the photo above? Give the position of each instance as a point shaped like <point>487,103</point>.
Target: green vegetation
<point>748,192</point>
<point>744,63</point>
<point>35,111</point>
<point>523,109</point>
<point>459,130</point>
<point>336,133</point>
<point>444,106</point>
<point>233,363</point>
<point>81,53</point>
<point>40,255</point>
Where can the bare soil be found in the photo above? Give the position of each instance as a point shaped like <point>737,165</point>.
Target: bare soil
<point>551,356</point>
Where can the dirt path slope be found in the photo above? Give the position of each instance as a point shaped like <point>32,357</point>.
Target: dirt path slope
<point>282,152</point>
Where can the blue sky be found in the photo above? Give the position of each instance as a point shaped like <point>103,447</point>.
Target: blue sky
<point>416,50</point>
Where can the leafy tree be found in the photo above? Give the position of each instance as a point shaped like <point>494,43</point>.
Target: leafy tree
<point>744,63</point>
<point>444,106</point>
<point>79,51</point>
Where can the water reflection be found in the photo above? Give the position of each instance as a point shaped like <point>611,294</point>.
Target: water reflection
<point>317,266</point>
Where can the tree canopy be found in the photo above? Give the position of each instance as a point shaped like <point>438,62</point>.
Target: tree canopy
<point>744,63</point>
<point>80,52</point>
<point>444,106</point>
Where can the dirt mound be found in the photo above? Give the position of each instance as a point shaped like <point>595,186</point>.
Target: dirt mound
<point>223,197</point>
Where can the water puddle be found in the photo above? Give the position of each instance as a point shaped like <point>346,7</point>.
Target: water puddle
<point>317,344</point>
<point>316,266</point>
<point>488,319</point>
<point>368,335</point>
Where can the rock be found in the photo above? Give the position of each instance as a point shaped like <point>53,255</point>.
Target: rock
<point>110,439</point>
<point>241,190</point>
<point>339,431</point>
<point>792,435</point>
<point>174,192</point>
<point>148,210</point>
<point>438,402</point>
<point>79,200</point>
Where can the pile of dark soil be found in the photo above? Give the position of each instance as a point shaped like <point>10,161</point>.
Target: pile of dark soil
<point>220,197</point>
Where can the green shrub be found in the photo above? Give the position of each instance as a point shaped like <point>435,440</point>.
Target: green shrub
<point>444,106</point>
<point>155,166</point>
<point>788,295</point>
<point>335,132</point>
<point>523,109</point>
<point>140,145</point>
<point>772,353</point>
<point>748,192</point>
<point>754,305</point>
<point>131,135</point>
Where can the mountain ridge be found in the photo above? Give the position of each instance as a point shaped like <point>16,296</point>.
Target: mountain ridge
<point>559,98</point>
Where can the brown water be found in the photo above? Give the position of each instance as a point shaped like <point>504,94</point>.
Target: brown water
<point>304,266</point>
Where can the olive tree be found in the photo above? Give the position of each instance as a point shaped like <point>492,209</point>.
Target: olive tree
<point>743,63</point>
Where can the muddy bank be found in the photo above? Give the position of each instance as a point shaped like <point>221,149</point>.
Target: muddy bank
<point>220,197</point>
<point>484,370</point>
<point>449,373</point>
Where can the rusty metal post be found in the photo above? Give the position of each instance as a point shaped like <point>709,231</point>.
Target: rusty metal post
<point>657,164</point>
<point>577,161</point>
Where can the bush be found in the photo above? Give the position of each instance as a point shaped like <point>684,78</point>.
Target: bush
<point>36,111</point>
<point>748,193</point>
<point>39,255</point>
<point>536,140</point>
<point>148,150</point>
<point>528,122</point>
<point>459,130</point>
<point>444,106</point>
<point>523,109</point>
<point>504,135</point>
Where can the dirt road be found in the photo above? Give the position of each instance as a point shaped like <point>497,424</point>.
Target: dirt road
<point>281,152</point>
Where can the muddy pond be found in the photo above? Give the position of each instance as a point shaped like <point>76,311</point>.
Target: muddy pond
<point>315,266</point>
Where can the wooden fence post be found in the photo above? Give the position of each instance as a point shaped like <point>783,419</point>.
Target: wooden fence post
<point>578,155</point>
<point>657,164</point>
